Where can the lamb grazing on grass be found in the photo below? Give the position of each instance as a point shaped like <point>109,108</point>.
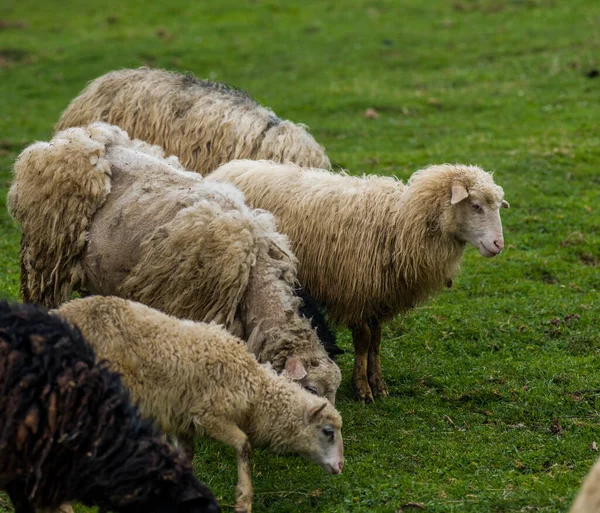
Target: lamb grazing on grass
<point>204,123</point>
<point>372,247</point>
<point>197,379</point>
<point>111,216</point>
<point>588,498</point>
<point>69,432</point>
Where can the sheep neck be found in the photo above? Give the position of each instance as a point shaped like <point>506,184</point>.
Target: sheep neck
<point>277,419</point>
<point>271,321</point>
<point>425,253</point>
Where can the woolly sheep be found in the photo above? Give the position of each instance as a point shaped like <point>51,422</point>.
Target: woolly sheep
<point>69,431</point>
<point>108,215</point>
<point>204,123</point>
<point>197,379</point>
<point>371,247</point>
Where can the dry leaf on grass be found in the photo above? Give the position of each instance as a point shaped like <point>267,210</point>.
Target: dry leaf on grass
<point>371,114</point>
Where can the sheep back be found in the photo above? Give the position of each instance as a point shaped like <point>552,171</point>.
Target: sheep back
<point>204,123</point>
<point>177,370</point>
<point>171,240</point>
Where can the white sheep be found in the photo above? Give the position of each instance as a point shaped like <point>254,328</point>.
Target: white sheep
<point>110,216</point>
<point>371,247</point>
<point>197,379</point>
<point>204,123</point>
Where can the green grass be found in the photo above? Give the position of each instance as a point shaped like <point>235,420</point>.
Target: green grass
<point>480,377</point>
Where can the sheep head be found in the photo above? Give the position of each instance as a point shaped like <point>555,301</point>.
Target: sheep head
<point>476,209</point>
<point>461,202</point>
<point>322,436</point>
<point>318,374</point>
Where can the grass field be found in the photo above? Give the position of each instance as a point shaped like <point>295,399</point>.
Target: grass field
<point>495,383</point>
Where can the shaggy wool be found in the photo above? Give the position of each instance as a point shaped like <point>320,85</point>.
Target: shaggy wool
<point>204,123</point>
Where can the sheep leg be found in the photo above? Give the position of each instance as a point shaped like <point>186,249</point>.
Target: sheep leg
<point>187,444</point>
<point>361,336</point>
<point>233,436</point>
<point>63,508</point>
<point>18,497</point>
<point>26,293</point>
<point>373,366</point>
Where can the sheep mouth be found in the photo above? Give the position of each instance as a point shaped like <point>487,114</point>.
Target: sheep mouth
<point>332,469</point>
<point>486,252</point>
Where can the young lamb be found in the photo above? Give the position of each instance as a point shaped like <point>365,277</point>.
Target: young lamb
<point>204,123</point>
<point>588,498</point>
<point>197,379</point>
<point>111,216</point>
<point>69,431</point>
<point>371,247</point>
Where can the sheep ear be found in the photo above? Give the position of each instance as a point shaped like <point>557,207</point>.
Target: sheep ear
<point>294,369</point>
<point>459,193</point>
<point>505,204</point>
<point>313,412</point>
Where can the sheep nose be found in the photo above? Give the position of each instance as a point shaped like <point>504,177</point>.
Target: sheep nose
<point>341,465</point>
<point>499,244</point>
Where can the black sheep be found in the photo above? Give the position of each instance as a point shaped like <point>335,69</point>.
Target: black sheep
<point>69,431</point>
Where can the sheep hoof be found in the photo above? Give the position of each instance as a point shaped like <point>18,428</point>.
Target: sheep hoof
<point>243,503</point>
<point>379,389</point>
<point>362,392</point>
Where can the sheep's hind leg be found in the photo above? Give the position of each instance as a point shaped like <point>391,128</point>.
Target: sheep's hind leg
<point>361,336</point>
<point>373,367</point>
<point>233,436</point>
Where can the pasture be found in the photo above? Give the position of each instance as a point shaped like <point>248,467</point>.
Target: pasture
<point>495,383</point>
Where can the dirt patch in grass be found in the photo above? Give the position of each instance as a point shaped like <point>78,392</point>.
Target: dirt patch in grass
<point>589,259</point>
<point>11,56</point>
<point>16,24</point>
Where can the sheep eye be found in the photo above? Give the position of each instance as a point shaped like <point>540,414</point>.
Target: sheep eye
<point>329,433</point>
<point>476,207</point>
<point>312,389</point>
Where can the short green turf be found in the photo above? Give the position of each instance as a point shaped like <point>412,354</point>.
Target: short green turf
<point>495,383</point>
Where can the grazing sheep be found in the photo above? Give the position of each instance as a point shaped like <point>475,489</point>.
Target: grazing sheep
<point>204,123</point>
<point>197,379</point>
<point>112,217</point>
<point>371,247</point>
<point>588,498</point>
<point>69,431</point>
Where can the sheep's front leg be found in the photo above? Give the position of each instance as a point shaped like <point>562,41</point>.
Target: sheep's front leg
<point>63,508</point>
<point>187,444</point>
<point>373,367</point>
<point>26,293</point>
<point>361,336</point>
<point>233,436</point>
<point>16,493</point>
